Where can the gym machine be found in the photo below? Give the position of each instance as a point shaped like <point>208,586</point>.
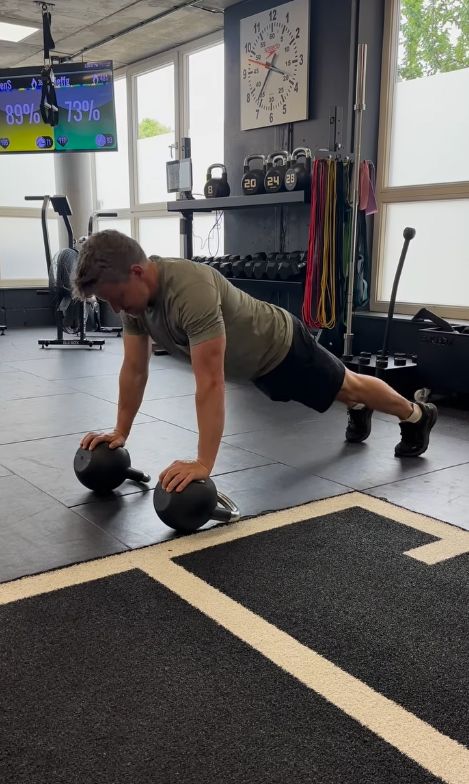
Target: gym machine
<point>63,263</point>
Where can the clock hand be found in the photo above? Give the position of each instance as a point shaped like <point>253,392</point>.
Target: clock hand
<point>269,67</point>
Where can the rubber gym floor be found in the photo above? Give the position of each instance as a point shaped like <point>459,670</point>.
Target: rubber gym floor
<point>273,456</point>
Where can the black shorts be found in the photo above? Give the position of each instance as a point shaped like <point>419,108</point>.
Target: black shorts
<point>309,373</point>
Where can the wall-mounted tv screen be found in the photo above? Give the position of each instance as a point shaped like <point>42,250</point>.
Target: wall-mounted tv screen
<point>85,97</point>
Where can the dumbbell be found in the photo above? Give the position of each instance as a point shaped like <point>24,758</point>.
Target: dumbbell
<point>277,164</point>
<point>258,266</point>
<point>249,266</point>
<point>238,266</point>
<point>293,266</point>
<point>273,262</point>
<point>226,267</point>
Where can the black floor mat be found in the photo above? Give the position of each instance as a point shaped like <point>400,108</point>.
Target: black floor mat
<point>342,586</point>
<point>118,680</point>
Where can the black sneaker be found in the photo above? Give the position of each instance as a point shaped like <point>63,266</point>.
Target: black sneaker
<point>415,436</point>
<point>359,424</point>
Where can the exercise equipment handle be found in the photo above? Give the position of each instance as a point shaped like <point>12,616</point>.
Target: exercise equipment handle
<point>226,510</point>
<point>137,476</point>
<point>99,215</point>
<point>408,235</point>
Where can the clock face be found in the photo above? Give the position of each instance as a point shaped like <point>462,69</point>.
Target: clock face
<point>274,66</point>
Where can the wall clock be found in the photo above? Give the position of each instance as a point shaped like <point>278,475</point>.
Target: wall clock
<point>275,65</point>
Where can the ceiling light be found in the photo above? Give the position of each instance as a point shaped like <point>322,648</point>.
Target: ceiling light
<point>15,32</point>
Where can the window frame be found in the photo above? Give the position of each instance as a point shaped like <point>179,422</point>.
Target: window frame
<point>387,195</point>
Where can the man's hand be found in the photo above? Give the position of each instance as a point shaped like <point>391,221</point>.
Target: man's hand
<point>181,473</point>
<point>114,439</point>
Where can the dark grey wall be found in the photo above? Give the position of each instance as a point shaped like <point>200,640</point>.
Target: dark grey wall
<point>335,25</point>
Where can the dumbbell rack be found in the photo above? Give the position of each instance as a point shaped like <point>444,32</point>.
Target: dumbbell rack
<point>187,207</point>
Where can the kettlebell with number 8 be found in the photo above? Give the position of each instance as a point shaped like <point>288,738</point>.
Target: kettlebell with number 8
<point>216,187</point>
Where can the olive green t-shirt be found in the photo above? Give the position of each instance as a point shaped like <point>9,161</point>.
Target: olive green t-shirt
<point>196,303</point>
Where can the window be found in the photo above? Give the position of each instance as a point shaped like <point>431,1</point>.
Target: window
<point>160,236</point>
<point>119,224</point>
<point>24,259</point>
<point>26,175</point>
<point>155,133</point>
<point>207,232</point>
<point>112,168</point>
<point>206,111</point>
<point>423,172</point>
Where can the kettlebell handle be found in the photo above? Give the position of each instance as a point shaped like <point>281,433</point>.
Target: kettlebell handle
<point>253,157</point>
<point>282,155</point>
<point>226,510</point>
<point>301,152</point>
<point>216,166</point>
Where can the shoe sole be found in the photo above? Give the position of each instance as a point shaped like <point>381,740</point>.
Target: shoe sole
<point>433,419</point>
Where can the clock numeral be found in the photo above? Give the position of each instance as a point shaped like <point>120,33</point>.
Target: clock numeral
<point>257,27</point>
<point>247,47</point>
<point>301,59</point>
<point>248,97</point>
<point>257,114</point>
<point>296,88</point>
<point>297,32</point>
<point>288,17</point>
<point>284,108</point>
<point>244,73</point>
<point>271,117</point>
<point>273,15</point>
<point>262,44</point>
<point>287,49</point>
<point>272,35</point>
<point>285,77</point>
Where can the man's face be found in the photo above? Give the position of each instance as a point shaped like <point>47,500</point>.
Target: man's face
<point>131,295</point>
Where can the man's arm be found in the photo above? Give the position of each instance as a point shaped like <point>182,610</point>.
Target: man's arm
<point>208,365</point>
<point>208,360</point>
<point>132,381</point>
<point>133,378</point>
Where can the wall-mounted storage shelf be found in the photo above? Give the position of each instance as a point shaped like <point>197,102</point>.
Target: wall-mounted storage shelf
<point>238,202</point>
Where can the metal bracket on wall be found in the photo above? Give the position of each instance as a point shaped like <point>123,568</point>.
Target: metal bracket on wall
<point>336,120</point>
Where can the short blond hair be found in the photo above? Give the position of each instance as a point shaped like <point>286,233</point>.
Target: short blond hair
<point>105,257</point>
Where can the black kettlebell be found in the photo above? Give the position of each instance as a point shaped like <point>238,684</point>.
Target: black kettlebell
<point>216,187</point>
<point>298,175</point>
<point>252,181</point>
<point>103,469</point>
<point>277,164</point>
<point>193,507</point>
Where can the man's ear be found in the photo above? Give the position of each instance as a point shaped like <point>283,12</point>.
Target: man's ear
<point>137,269</point>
